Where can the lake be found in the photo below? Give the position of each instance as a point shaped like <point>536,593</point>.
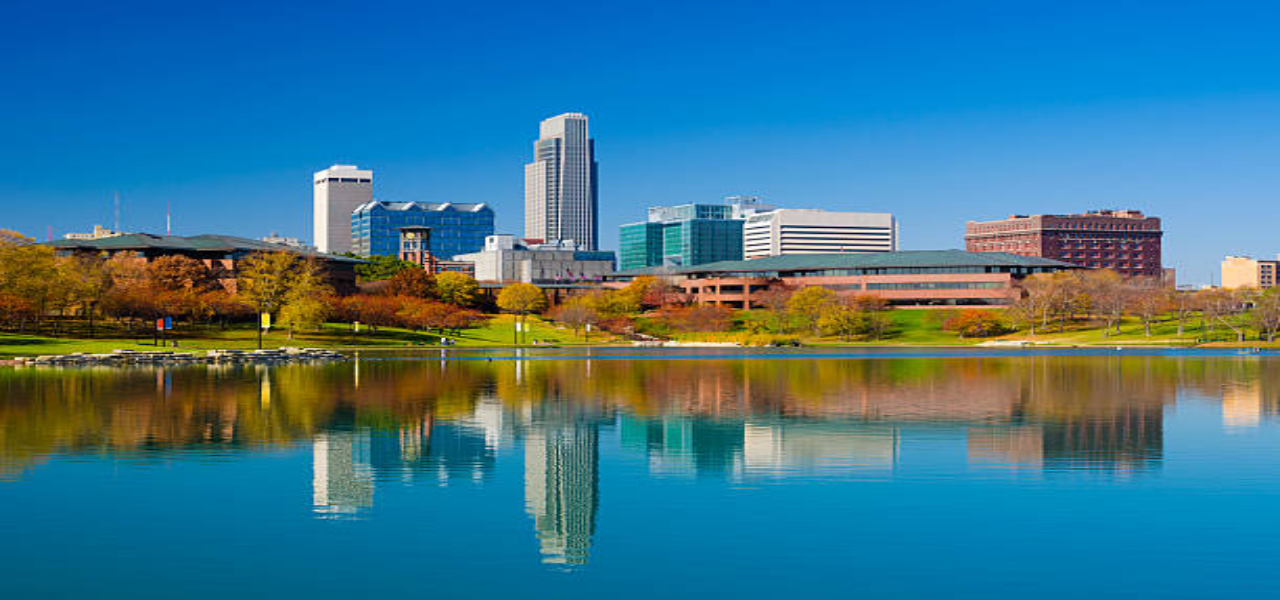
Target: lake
<point>626,473</point>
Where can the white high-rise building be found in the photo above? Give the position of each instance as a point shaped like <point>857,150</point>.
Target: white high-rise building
<point>338,191</point>
<point>809,231</point>
<point>560,201</point>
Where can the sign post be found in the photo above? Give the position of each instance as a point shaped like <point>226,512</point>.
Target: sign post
<point>265,325</point>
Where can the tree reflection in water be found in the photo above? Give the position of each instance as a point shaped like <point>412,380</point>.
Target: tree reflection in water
<point>445,421</point>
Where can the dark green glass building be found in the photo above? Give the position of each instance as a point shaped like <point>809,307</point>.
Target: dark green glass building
<point>681,236</point>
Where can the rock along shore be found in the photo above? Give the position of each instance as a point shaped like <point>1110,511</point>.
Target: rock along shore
<point>165,357</point>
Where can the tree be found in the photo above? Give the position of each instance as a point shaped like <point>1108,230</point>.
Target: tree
<point>810,303</point>
<point>1106,292</point>
<point>1183,304</point>
<point>841,320</point>
<point>304,305</point>
<point>266,279</point>
<point>975,323</point>
<point>174,273</point>
<point>774,300</point>
<point>874,313</point>
<point>303,312</point>
<point>1266,314</point>
<point>521,299</point>
<point>1148,298</point>
<point>286,285</point>
<point>377,268</point>
<point>28,271</point>
<point>700,318</point>
<point>458,289</point>
<point>1224,307</point>
<point>374,311</point>
<point>88,282</point>
<point>579,313</point>
<point>415,283</point>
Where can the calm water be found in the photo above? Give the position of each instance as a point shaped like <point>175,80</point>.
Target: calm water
<point>622,474</point>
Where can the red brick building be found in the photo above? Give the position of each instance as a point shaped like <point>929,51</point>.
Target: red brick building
<point>1122,240</point>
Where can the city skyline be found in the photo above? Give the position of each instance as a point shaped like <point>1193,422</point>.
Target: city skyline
<point>940,116</point>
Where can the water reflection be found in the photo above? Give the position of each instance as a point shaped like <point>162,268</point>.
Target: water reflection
<point>374,423</point>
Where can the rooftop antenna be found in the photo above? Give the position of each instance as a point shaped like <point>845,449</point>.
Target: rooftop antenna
<point>49,234</point>
<point>168,218</point>
<point>116,206</point>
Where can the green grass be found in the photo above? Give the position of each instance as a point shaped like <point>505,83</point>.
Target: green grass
<point>923,327</point>
<point>911,327</point>
<point>495,332</point>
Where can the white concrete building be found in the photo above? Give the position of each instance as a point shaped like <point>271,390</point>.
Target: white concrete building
<point>810,231</point>
<point>338,191</point>
<point>560,200</point>
<point>505,259</point>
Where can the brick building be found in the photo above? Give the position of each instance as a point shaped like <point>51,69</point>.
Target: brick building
<point>910,278</point>
<point>1123,240</point>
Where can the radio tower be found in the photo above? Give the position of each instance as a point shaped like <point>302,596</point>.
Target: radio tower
<point>168,218</point>
<point>116,226</point>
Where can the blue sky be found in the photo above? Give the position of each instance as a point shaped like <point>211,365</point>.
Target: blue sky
<point>940,112</point>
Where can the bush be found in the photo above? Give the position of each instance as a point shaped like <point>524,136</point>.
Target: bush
<point>976,323</point>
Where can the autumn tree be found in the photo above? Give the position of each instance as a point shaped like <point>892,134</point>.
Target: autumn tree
<point>521,299</point>
<point>697,318</point>
<point>1266,314</point>
<point>414,283</point>
<point>810,303</point>
<point>458,289</point>
<point>1148,298</point>
<point>975,323</point>
<point>88,281</point>
<point>579,313</point>
<point>873,312</point>
<point>774,300</point>
<point>28,271</point>
<point>272,281</point>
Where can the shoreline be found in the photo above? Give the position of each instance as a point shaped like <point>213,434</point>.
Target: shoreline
<point>997,345</point>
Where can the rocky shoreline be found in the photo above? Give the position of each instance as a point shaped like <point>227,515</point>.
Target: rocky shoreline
<point>165,357</point>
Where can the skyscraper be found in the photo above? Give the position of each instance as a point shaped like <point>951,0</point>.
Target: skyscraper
<point>338,191</point>
<point>560,200</point>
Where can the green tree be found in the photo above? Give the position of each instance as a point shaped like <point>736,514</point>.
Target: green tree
<point>458,289</point>
<point>377,268</point>
<point>521,299</point>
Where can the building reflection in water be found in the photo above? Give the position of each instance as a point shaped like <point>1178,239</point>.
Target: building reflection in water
<point>562,485</point>
<point>342,478</point>
<point>448,422</point>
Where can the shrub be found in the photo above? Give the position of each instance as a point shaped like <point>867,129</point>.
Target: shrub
<point>976,323</point>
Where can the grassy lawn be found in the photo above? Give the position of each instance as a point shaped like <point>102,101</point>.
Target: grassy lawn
<point>923,327</point>
<point>496,332</point>
<point>911,327</point>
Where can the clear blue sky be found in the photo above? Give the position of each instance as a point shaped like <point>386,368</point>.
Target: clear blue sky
<point>937,111</point>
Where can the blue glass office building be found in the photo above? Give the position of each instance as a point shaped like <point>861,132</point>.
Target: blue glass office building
<point>455,228</point>
<point>681,236</point>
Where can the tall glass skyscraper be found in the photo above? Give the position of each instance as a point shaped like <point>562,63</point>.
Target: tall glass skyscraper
<point>455,228</point>
<point>560,192</point>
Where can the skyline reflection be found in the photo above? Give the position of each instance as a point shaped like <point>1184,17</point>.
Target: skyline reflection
<point>369,424</point>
